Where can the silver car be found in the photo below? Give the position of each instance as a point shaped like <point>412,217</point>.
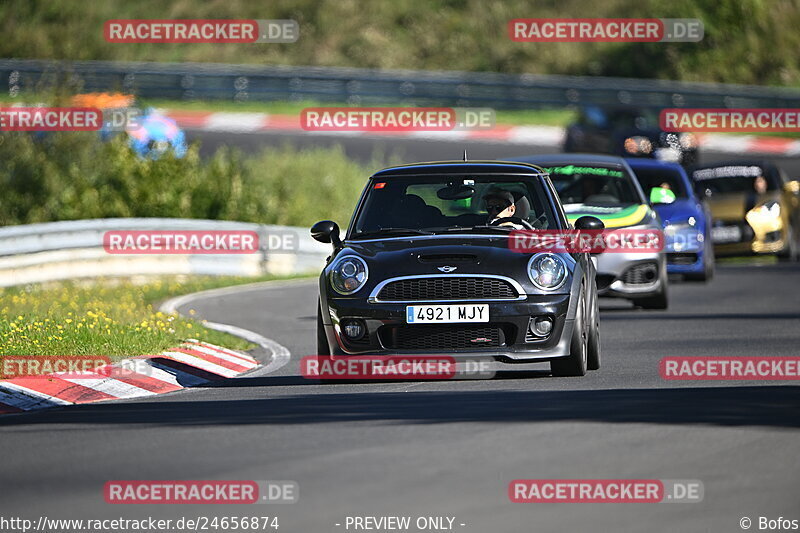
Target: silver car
<point>606,187</point>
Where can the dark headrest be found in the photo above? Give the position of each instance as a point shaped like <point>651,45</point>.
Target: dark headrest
<point>523,206</point>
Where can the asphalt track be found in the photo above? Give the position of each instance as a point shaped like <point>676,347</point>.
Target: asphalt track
<point>451,448</point>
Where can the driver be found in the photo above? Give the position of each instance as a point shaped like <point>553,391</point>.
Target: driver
<point>500,204</point>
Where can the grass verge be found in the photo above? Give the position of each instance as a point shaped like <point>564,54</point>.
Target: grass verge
<point>110,317</point>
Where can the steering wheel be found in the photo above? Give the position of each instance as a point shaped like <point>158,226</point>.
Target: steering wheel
<point>516,220</point>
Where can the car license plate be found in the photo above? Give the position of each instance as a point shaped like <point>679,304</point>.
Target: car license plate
<point>442,314</point>
<point>726,234</point>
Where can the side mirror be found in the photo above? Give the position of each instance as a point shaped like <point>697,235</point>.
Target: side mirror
<point>589,223</point>
<point>326,231</point>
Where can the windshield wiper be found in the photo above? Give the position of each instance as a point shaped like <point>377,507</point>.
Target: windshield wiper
<point>391,231</point>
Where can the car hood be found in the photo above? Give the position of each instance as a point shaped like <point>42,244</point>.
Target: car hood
<point>420,255</point>
<point>446,254</point>
<point>678,211</point>
<point>733,206</point>
<point>614,216</point>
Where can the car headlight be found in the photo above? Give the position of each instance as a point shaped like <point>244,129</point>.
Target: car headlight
<point>348,274</point>
<point>681,225</point>
<point>682,235</point>
<point>547,271</point>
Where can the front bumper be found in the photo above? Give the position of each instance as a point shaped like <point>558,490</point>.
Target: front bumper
<point>507,330</point>
<point>685,251</point>
<point>631,275</point>
<point>755,239</point>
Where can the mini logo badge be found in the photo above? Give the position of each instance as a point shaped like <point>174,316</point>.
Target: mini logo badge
<point>447,269</point>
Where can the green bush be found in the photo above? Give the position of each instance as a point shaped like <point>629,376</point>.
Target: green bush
<point>69,176</point>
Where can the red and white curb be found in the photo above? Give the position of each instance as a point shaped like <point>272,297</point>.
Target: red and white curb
<point>191,364</point>
<point>532,135</point>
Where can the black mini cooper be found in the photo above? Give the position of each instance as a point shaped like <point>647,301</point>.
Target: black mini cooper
<point>426,268</point>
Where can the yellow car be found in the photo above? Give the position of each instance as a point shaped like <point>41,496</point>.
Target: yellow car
<point>755,209</point>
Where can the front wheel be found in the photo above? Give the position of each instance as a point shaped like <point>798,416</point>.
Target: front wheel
<point>322,338</point>
<point>593,343</point>
<point>576,363</point>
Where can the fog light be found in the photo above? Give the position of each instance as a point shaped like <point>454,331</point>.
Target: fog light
<point>542,326</point>
<point>353,329</point>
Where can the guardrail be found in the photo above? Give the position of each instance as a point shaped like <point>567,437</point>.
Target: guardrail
<point>213,81</point>
<point>52,251</point>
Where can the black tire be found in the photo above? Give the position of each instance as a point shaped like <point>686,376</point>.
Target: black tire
<point>700,278</point>
<point>322,339</point>
<point>593,355</point>
<point>659,301</point>
<point>576,363</point>
<point>703,277</point>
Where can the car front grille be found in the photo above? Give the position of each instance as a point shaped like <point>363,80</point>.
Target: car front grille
<point>447,288</point>
<point>682,258</point>
<point>441,337</point>
<point>746,230</point>
<point>641,274</point>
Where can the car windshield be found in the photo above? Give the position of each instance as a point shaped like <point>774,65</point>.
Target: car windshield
<point>446,203</point>
<point>619,118</point>
<point>661,178</point>
<point>735,179</point>
<point>633,118</point>
<point>593,185</point>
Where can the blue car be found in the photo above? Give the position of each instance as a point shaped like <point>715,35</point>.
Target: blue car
<point>150,133</point>
<point>686,220</point>
<point>155,135</point>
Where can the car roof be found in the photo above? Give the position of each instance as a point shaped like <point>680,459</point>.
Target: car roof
<point>570,159</point>
<point>459,167</point>
<point>647,162</point>
<point>547,160</point>
<point>764,163</point>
